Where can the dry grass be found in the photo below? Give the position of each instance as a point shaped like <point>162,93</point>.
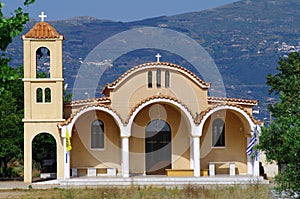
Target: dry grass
<point>232,192</point>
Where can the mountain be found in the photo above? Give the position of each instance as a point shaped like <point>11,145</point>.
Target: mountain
<point>245,40</point>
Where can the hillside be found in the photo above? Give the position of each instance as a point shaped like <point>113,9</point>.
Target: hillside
<point>245,39</point>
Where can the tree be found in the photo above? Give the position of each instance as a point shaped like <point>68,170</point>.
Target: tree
<point>11,89</point>
<point>280,141</point>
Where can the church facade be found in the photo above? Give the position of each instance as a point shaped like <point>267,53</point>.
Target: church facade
<point>155,119</point>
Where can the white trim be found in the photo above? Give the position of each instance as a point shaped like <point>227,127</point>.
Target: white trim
<point>43,79</point>
<point>93,108</point>
<point>159,100</point>
<point>227,107</point>
<point>252,165</point>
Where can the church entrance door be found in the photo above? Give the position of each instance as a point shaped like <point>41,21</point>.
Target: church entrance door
<point>158,147</point>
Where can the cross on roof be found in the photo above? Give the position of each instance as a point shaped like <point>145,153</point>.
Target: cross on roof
<point>42,16</point>
<point>158,56</point>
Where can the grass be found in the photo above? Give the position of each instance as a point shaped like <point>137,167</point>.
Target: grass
<point>230,192</point>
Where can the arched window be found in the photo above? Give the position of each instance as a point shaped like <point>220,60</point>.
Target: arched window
<point>47,95</point>
<point>218,133</point>
<point>149,79</point>
<point>158,78</point>
<point>39,95</point>
<point>43,62</point>
<point>97,135</point>
<point>167,79</point>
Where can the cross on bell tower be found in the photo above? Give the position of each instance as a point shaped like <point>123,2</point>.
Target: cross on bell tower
<point>42,16</point>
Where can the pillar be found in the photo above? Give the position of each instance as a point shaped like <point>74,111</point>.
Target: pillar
<point>196,149</point>
<point>249,161</point>
<point>125,157</point>
<point>66,160</point>
<point>191,153</point>
<point>27,159</point>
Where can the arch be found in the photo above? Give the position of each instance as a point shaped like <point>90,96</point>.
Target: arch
<point>48,95</point>
<point>71,121</point>
<point>161,99</point>
<point>43,62</point>
<point>237,109</point>
<point>44,155</point>
<point>97,134</point>
<point>39,95</point>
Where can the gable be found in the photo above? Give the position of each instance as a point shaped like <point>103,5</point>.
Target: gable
<point>165,78</point>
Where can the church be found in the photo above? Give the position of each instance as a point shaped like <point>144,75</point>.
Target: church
<point>155,119</point>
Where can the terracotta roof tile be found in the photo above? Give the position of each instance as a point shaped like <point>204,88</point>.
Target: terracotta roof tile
<point>203,113</point>
<point>235,100</point>
<point>69,120</point>
<point>102,100</point>
<point>42,30</point>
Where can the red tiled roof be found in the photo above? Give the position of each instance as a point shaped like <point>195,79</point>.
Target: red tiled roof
<point>203,113</point>
<point>69,120</point>
<point>102,100</point>
<point>235,100</point>
<point>147,65</point>
<point>42,30</point>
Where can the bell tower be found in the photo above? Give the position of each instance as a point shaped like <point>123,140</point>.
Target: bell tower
<point>43,94</point>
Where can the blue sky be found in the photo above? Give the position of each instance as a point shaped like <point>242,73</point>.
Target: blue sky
<point>117,10</point>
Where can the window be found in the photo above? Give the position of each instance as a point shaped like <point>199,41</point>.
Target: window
<point>39,95</point>
<point>167,79</point>
<point>149,79</point>
<point>218,133</point>
<point>158,78</point>
<point>47,95</point>
<point>97,135</point>
<point>43,63</point>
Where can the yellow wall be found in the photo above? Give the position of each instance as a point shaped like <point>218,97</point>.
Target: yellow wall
<point>33,129</point>
<point>130,92</point>
<point>82,155</point>
<point>235,144</point>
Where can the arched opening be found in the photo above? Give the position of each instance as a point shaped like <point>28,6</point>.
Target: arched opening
<point>43,62</point>
<point>218,133</point>
<point>224,140</point>
<point>149,79</point>
<point>39,95</point>
<point>44,157</point>
<point>158,78</point>
<point>47,95</point>
<point>158,147</point>
<point>97,134</point>
<point>167,79</point>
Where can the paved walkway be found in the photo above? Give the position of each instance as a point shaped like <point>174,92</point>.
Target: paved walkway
<point>133,181</point>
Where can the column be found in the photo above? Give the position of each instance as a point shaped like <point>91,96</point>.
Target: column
<point>27,159</point>
<point>125,157</point>
<point>66,154</point>
<point>66,160</point>
<point>191,154</point>
<point>196,149</point>
<point>256,165</point>
<point>249,161</point>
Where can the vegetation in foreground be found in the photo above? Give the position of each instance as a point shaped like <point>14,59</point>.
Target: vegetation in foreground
<point>235,191</point>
